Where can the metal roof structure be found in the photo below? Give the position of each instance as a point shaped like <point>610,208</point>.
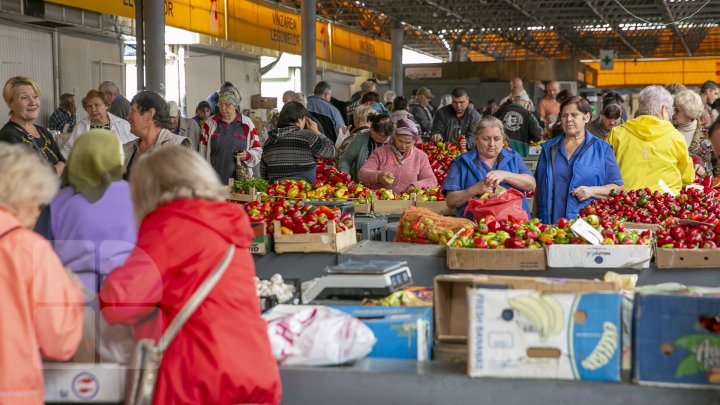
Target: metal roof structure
<point>542,29</point>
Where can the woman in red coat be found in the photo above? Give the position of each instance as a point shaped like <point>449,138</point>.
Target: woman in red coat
<point>222,354</point>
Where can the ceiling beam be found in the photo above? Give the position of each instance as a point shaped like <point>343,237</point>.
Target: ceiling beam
<point>615,28</point>
<point>669,13</point>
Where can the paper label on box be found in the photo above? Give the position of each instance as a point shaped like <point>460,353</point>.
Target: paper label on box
<point>522,333</point>
<point>587,232</point>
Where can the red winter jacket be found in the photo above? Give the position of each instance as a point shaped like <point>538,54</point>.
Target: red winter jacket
<point>222,355</point>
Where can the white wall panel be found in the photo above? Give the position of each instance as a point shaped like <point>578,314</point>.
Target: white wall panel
<point>85,63</point>
<point>202,77</point>
<point>245,75</point>
<point>25,52</point>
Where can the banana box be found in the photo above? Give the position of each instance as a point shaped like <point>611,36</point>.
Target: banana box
<point>530,334</point>
<point>676,339</point>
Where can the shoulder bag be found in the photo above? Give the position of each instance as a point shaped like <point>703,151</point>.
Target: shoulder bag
<point>147,355</point>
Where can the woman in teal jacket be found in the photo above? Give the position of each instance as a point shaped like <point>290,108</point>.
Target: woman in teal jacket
<point>574,169</point>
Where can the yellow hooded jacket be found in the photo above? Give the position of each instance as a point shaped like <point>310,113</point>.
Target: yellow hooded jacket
<point>648,149</point>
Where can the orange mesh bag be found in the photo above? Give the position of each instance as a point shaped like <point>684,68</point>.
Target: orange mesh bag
<point>420,225</point>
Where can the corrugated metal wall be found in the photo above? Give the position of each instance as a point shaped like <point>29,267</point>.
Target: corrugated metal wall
<point>26,52</point>
<point>85,63</point>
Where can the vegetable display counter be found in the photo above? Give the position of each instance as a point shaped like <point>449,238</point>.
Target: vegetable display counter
<point>428,261</point>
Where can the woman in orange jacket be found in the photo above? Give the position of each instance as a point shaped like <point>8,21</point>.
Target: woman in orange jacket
<point>40,305</point>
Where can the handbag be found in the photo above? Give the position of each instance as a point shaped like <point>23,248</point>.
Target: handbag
<point>147,355</point>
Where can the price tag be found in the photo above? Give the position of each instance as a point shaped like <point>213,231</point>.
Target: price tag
<point>695,186</point>
<point>664,187</point>
<point>587,232</point>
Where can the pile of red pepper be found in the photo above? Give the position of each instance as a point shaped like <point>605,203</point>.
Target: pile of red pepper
<point>298,217</point>
<point>688,236</point>
<point>441,155</point>
<point>325,172</point>
<point>648,207</point>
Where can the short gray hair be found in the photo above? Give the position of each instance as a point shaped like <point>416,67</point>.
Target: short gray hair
<point>389,96</point>
<point>172,173</point>
<point>652,99</point>
<point>368,86</point>
<point>299,97</point>
<point>690,103</point>
<point>25,177</point>
<point>109,87</point>
<point>488,122</point>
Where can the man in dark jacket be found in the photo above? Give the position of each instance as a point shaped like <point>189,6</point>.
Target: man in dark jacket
<point>422,110</point>
<point>521,127</point>
<point>455,119</point>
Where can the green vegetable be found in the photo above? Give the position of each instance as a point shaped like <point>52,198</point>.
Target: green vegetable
<point>245,185</point>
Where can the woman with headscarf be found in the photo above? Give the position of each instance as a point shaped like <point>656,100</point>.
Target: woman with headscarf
<point>91,226</point>
<point>230,138</point>
<point>149,114</point>
<point>96,105</point>
<point>22,96</point>
<point>399,165</point>
<point>40,304</point>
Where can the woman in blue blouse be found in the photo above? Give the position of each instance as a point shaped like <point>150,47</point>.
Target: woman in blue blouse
<point>485,167</point>
<point>574,169</point>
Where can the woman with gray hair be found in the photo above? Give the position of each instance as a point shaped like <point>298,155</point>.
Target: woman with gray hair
<point>650,152</point>
<point>179,201</point>
<point>485,167</point>
<point>40,304</point>
<point>148,119</point>
<point>688,109</point>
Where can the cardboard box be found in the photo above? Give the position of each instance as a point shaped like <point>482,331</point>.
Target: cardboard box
<point>450,297</point>
<point>262,242</point>
<point>605,256</point>
<point>495,259</point>
<point>454,352</point>
<point>527,334</point>
<point>401,332</point>
<point>258,101</point>
<point>391,207</point>
<point>687,258</point>
<point>331,241</point>
<point>84,382</point>
<point>438,207</point>
<point>671,346</point>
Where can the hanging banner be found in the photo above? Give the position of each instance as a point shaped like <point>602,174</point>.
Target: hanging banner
<point>201,16</point>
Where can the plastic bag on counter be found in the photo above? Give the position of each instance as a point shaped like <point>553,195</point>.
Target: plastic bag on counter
<point>317,336</point>
<point>501,206</point>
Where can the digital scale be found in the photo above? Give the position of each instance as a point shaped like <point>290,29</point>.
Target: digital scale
<point>360,279</point>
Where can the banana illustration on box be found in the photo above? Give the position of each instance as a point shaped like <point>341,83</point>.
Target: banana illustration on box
<point>543,311</point>
<point>604,350</point>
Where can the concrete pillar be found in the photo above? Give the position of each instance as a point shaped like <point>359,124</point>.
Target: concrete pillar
<point>307,45</point>
<point>455,54</point>
<point>139,44</point>
<point>154,14</point>
<point>397,36</point>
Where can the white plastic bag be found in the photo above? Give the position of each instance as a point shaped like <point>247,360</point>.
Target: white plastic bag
<point>317,336</point>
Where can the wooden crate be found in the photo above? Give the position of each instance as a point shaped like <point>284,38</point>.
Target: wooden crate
<point>262,242</point>
<point>438,207</point>
<point>391,207</point>
<point>252,195</point>
<point>330,242</point>
<point>638,225</point>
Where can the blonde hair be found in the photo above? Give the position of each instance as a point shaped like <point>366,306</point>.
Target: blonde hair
<point>25,177</point>
<point>13,83</point>
<point>362,112</point>
<point>172,173</point>
<point>690,103</point>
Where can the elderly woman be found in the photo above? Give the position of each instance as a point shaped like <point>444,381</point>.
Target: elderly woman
<point>41,306</point>
<point>485,167</point>
<point>574,169</point>
<point>649,149</point>
<point>399,165</point>
<point>96,105</point>
<point>291,149</point>
<point>230,138</point>
<point>179,200</point>
<point>688,109</point>
<point>361,124</point>
<point>22,96</point>
<point>148,119</point>
<point>365,143</point>
<point>609,118</point>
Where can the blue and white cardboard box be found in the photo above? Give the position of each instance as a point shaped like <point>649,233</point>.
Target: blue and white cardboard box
<point>529,334</point>
<point>401,332</point>
<point>676,339</point>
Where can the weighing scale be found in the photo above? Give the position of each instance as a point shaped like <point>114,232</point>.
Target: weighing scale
<point>359,279</point>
